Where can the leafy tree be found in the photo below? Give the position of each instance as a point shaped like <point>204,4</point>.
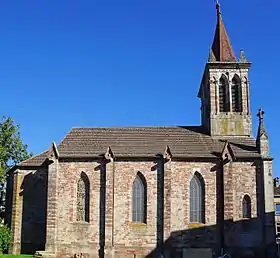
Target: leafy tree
<point>12,150</point>
<point>5,239</point>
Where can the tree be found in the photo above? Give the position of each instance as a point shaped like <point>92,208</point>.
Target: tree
<point>12,150</point>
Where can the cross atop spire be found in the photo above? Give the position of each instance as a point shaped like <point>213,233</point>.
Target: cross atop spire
<point>218,7</point>
<point>221,47</point>
<point>260,113</point>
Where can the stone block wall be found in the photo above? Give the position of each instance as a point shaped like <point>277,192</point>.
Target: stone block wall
<point>110,228</point>
<point>127,233</point>
<point>181,175</point>
<point>236,124</point>
<point>244,176</point>
<point>77,236</point>
<point>122,235</point>
<point>28,220</point>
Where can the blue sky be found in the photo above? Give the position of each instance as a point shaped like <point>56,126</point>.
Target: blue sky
<point>126,63</point>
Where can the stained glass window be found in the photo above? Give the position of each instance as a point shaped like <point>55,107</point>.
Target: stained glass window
<point>139,199</point>
<point>83,198</point>
<point>246,207</point>
<point>197,193</point>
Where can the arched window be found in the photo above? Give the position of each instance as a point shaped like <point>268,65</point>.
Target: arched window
<point>223,94</point>
<point>236,94</point>
<point>197,199</point>
<point>246,207</point>
<point>139,199</point>
<point>83,198</point>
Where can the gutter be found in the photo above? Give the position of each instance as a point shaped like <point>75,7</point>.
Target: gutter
<point>123,157</point>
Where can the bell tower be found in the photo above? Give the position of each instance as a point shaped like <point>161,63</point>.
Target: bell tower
<point>224,90</point>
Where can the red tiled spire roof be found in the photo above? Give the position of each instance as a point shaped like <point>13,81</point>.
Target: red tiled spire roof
<point>221,48</point>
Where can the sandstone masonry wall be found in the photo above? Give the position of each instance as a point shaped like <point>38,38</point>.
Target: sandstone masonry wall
<point>75,236</point>
<point>123,237</point>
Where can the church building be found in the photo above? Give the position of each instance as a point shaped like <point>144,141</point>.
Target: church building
<point>174,191</point>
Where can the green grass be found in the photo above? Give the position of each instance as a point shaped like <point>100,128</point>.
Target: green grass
<point>15,256</point>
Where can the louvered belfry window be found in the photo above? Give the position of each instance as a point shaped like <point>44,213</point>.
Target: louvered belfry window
<point>223,95</point>
<point>197,196</point>
<point>83,198</point>
<point>139,199</point>
<point>246,203</point>
<point>236,94</point>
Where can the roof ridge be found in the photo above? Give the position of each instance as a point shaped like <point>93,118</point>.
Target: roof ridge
<point>132,127</point>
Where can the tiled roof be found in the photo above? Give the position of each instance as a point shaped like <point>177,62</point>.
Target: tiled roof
<point>36,160</point>
<point>221,48</point>
<point>185,142</point>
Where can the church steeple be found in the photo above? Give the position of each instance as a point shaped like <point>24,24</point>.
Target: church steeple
<point>221,47</point>
<point>224,90</point>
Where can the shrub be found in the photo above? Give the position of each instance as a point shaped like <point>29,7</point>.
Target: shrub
<point>5,239</point>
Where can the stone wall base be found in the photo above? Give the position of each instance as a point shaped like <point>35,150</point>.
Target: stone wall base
<point>15,248</point>
<point>129,252</point>
<point>133,252</point>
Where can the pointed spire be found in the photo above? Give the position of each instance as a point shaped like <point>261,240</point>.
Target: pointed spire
<point>167,153</point>
<point>262,137</point>
<point>261,130</point>
<point>221,46</point>
<point>109,154</point>
<point>53,151</point>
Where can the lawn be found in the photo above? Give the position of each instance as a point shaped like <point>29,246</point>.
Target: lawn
<point>15,256</point>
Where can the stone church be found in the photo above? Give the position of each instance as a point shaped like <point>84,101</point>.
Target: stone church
<point>181,191</point>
